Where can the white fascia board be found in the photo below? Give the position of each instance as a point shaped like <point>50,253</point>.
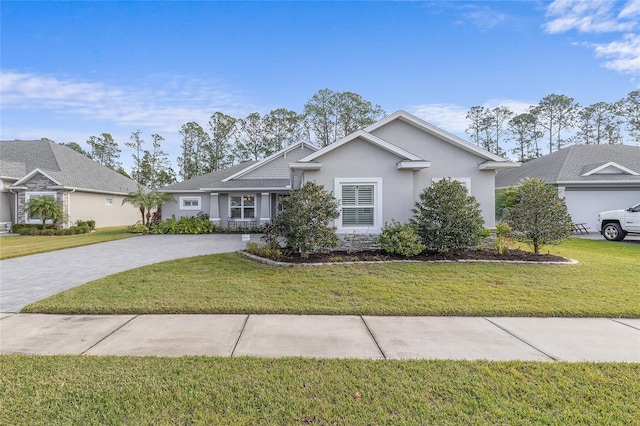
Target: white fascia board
<point>256,189</point>
<point>632,183</point>
<point>32,173</point>
<point>611,164</point>
<point>499,165</point>
<point>367,137</point>
<point>95,191</point>
<point>436,131</point>
<point>413,165</point>
<point>306,166</point>
<point>270,158</point>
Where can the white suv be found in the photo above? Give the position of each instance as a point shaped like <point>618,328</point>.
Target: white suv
<point>614,225</point>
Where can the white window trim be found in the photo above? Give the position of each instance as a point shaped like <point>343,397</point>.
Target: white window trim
<point>183,207</point>
<point>242,207</point>
<point>108,201</point>
<point>377,209</point>
<point>465,181</point>
<point>27,197</point>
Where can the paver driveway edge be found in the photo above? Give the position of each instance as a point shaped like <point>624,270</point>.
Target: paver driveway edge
<point>23,280</point>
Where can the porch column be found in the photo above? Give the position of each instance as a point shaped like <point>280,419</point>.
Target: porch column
<point>265,208</point>
<point>214,209</point>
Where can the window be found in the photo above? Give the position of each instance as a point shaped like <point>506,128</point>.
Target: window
<point>358,205</point>
<point>242,207</point>
<point>361,203</point>
<point>190,203</point>
<point>29,195</point>
<point>279,200</point>
<point>108,201</point>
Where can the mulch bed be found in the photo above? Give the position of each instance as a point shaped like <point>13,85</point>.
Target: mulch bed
<point>376,256</point>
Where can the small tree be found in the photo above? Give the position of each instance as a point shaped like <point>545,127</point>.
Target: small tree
<point>304,221</point>
<point>45,207</point>
<point>537,215</point>
<point>447,218</point>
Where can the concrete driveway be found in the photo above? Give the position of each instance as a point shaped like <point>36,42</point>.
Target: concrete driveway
<point>27,279</point>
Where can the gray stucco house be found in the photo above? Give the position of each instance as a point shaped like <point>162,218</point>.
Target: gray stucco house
<point>246,194</point>
<point>86,189</point>
<point>591,178</point>
<point>377,174</point>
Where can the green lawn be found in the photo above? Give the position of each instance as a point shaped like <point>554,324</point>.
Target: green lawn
<point>17,246</point>
<point>604,284</point>
<point>249,391</point>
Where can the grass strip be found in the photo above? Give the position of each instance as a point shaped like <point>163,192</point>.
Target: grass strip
<point>17,246</point>
<point>604,284</point>
<point>248,391</point>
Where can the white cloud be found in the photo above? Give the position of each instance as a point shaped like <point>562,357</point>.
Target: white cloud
<point>483,17</point>
<point>181,99</point>
<point>600,16</point>
<point>590,16</point>
<point>631,9</point>
<point>452,117</point>
<point>623,55</point>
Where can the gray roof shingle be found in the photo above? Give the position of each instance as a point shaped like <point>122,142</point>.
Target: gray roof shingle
<point>571,163</point>
<point>68,167</point>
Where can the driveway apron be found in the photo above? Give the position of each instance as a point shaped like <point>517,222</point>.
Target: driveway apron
<point>27,279</point>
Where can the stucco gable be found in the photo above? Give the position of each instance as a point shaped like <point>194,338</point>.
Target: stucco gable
<point>428,128</point>
<point>373,140</point>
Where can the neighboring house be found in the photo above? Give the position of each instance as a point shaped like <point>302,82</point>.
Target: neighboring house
<point>591,178</point>
<point>246,194</point>
<point>377,173</point>
<point>86,189</point>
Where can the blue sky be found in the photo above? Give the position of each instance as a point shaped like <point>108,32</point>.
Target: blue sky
<point>75,69</point>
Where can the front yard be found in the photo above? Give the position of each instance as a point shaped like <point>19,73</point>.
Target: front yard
<point>250,391</point>
<point>604,284</point>
<point>43,390</point>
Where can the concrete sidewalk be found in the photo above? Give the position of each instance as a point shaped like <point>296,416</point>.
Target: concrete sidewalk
<point>319,336</point>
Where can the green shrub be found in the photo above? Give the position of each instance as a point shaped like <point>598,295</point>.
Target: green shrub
<point>199,224</point>
<point>91,224</point>
<point>304,221</point>
<point>264,251</point>
<point>447,218</point>
<point>503,234</point>
<point>537,215</point>
<point>81,223</point>
<point>138,228</point>
<point>402,239</point>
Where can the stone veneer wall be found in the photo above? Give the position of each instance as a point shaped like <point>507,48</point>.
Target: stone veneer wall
<point>39,183</point>
<point>357,242</point>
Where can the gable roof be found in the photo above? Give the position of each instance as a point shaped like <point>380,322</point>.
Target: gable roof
<point>21,160</point>
<point>247,175</point>
<point>435,131</point>
<point>580,164</point>
<point>492,161</point>
<point>269,159</point>
<point>369,138</point>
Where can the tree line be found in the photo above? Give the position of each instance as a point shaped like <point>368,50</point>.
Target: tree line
<point>327,117</point>
<point>555,122</point>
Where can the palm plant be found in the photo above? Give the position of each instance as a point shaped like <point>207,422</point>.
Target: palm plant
<point>139,199</point>
<point>147,202</point>
<point>45,207</point>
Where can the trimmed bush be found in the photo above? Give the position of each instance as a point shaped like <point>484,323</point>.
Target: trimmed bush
<point>537,214</point>
<point>304,221</point>
<point>402,239</point>
<point>447,218</point>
